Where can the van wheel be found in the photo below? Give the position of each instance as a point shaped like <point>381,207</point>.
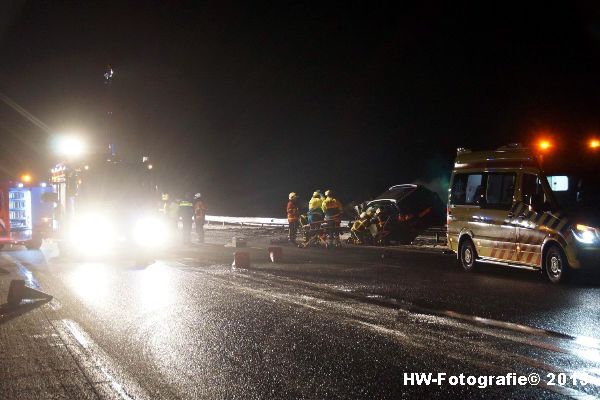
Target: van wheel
<point>467,255</point>
<point>555,265</point>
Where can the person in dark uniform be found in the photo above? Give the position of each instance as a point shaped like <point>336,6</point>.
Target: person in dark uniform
<point>293,216</point>
<point>199,216</point>
<point>186,213</point>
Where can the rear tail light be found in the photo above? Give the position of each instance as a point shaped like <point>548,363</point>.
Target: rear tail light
<point>405,217</point>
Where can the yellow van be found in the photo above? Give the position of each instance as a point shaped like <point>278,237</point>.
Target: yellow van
<point>503,210</point>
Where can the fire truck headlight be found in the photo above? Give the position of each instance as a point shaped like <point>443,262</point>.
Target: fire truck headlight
<point>150,231</point>
<point>92,234</point>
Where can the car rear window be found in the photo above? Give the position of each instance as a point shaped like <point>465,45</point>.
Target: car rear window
<point>386,207</point>
<point>396,193</point>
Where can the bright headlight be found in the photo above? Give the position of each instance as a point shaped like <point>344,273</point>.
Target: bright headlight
<point>92,233</point>
<point>585,234</point>
<point>150,231</point>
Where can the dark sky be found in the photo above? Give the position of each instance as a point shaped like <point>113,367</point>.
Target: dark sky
<point>247,102</point>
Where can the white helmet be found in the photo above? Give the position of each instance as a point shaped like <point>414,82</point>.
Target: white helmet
<point>197,195</point>
<point>292,195</point>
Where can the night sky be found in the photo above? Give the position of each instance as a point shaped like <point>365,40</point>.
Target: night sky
<point>247,102</point>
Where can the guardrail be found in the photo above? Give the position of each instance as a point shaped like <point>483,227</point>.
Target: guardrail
<point>252,221</point>
<point>439,232</point>
<point>265,221</point>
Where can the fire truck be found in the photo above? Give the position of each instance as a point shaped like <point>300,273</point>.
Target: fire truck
<point>25,213</point>
<point>105,204</point>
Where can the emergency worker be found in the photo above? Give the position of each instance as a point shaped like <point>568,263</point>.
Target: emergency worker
<point>199,216</point>
<point>186,213</point>
<point>293,216</point>
<point>380,218</point>
<point>380,221</point>
<point>164,203</point>
<point>173,213</point>
<point>332,209</point>
<point>315,210</point>
<point>359,232</point>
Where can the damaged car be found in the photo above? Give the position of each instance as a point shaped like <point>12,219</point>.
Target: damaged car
<point>403,212</point>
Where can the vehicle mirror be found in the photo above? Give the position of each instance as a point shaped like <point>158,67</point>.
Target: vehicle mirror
<point>49,197</point>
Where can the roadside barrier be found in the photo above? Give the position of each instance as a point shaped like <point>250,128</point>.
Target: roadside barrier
<point>251,221</point>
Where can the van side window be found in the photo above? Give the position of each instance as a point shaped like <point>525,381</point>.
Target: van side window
<point>500,190</point>
<point>531,186</point>
<point>465,189</point>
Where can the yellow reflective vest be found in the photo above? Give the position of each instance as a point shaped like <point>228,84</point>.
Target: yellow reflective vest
<point>331,207</point>
<point>315,204</point>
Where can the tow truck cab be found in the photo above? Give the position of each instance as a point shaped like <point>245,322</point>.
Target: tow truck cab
<point>504,208</point>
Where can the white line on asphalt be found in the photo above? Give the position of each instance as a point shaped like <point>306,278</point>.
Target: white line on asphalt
<point>91,350</point>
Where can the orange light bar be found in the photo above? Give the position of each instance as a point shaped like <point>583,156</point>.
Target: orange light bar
<point>594,144</point>
<point>26,178</point>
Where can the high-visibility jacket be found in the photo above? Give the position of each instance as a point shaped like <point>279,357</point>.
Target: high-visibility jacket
<point>359,225</point>
<point>293,214</point>
<point>315,206</point>
<point>332,208</point>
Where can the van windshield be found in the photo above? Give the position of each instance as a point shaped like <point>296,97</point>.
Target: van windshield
<point>574,179</point>
<point>576,190</point>
<point>117,186</point>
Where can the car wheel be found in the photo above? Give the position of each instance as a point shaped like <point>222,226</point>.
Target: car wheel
<point>467,255</point>
<point>555,265</point>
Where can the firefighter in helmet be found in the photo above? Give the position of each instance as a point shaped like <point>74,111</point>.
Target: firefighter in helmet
<point>359,233</point>
<point>293,216</point>
<point>332,209</point>
<point>199,216</point>
<point>315,210</point>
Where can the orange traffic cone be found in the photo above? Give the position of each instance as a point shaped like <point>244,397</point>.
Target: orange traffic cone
<point>17,291</point>
<point>275,254</point>
<point>241,259</point>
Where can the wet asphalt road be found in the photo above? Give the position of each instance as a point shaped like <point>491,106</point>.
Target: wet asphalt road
<point>322,324</point>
